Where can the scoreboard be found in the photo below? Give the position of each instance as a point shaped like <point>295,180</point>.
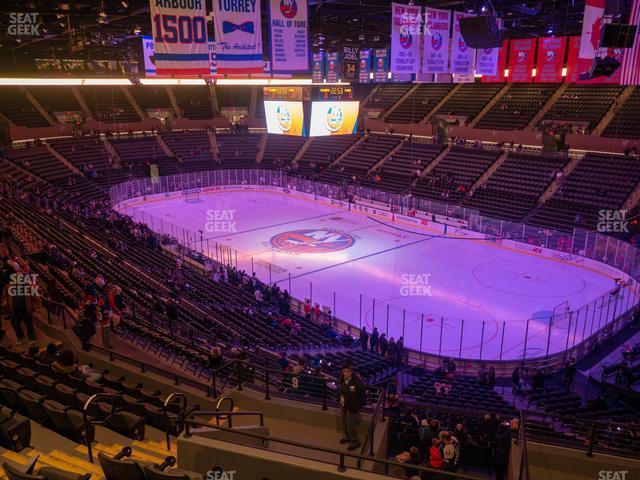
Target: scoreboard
<point>290,94</point>
<point>335,93</point>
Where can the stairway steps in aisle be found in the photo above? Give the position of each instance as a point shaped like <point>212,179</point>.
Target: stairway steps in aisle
<point>48,460</point>
<point>153,447</point>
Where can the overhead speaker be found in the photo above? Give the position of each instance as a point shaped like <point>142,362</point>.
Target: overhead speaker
<point>601,67</point>
<point>618,35</point>
<point>481,32</point>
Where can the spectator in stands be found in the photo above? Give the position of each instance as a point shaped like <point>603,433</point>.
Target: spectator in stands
<point>515,380</point>
<point>49,355</point>
<point>570,371</point>
<point>414,459</point>
<point>215,360</point>
<point>364,338</point>
<point>491,377</point>
<point>375,337</point>
<point>538,380</point>
<point>283,361</point>
<point>21,301</point>
<point>353,397</point>
<point>307,309</point>
<point>463,436</point>
<point>435,457</point>
<point>483,374</point>
<point>384,344</point>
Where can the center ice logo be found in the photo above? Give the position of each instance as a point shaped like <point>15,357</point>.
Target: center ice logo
<point>322,240</point>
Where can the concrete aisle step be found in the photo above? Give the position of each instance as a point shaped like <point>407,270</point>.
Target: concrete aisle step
<point>48,460</point>
<point>157,448</point>
<point>85,464</point>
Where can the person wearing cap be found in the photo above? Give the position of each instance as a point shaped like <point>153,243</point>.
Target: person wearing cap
<point>353,397</point>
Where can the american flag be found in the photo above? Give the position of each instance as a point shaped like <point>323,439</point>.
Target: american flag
<point>631,65</point>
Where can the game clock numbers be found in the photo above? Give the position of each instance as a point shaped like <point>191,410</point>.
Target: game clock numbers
<point>336,93</point>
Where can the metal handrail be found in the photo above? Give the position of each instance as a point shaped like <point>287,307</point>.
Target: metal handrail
<point>340,454</point>
<point>88,423</point>
<point>377,413</point>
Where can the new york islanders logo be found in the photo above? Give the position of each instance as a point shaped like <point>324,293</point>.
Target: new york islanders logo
<point>521,57</point>
<point>334,118</point>
<point>462,46</point>
<point>322,240</point>
<point>283,117</point>
<point>288,8</point>
<point>436,41</point>
<point>550,56</point>
<point>405,38</point>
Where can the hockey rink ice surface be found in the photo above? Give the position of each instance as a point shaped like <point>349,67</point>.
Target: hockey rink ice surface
<point>394,275</point>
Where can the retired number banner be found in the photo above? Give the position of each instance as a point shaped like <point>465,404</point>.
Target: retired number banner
<point>180,37</point>
<point>289,35</point>
<point>238,31</point>
<point>436,41</point>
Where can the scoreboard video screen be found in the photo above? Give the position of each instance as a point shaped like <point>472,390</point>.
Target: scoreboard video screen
<point>284,118</point>
<point>333,118</point>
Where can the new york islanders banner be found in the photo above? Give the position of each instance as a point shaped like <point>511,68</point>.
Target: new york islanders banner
<point>521,54</point>
<point>289,35</point>
<point>462,57</point>
<point>180,37</point>
<point>436,41</point>
<point>317,67</point>
<point>332,67</point>
<point>238,31</point>
<point>498,77</point>
<point>406,21</point>
<point>551,52</point>
<point>349,63</point>
<point>487,61</point>
<point>380,65</point>
<point>365,66</point>
<point>149,58</point>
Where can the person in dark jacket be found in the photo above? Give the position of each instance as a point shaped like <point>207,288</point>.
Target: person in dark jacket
<point>353,396</point>
<point>364,338</point>
<point>374,340</point>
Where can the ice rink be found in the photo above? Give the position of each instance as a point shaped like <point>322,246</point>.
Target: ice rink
<point>455,296</point>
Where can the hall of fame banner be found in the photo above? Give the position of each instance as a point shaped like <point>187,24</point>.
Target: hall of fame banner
<point>179,32</point>
<point>238,30</point>
<point>289,35</point>
<point>436,41</point>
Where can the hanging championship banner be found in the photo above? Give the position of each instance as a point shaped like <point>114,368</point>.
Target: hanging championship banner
<point>332,67</point>
<point>501,53</point>
<point>149,58</point>
<point>406,21</point>
<point>317,67</point>
<point>180,37</point>
<point>487,61</point>
<point>551,52</point>
<point>238,31</point>
<point>436,40</point>
<point>349,63</point>
<point>521,53</point>
<point>462,57</point>
<point>381,65</point>
<point>365,66</point>
<point>289,35</point>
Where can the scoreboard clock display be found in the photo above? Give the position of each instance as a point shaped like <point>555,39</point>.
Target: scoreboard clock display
<point>291,94</point>
<point>335,93</point>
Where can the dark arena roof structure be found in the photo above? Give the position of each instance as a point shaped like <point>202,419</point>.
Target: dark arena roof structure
<point>343,271</point>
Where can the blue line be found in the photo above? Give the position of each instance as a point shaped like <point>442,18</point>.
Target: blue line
<point>276,225</point>
<point>397,247</point>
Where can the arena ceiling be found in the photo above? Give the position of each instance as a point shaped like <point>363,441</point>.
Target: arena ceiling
<point>110,29</point>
